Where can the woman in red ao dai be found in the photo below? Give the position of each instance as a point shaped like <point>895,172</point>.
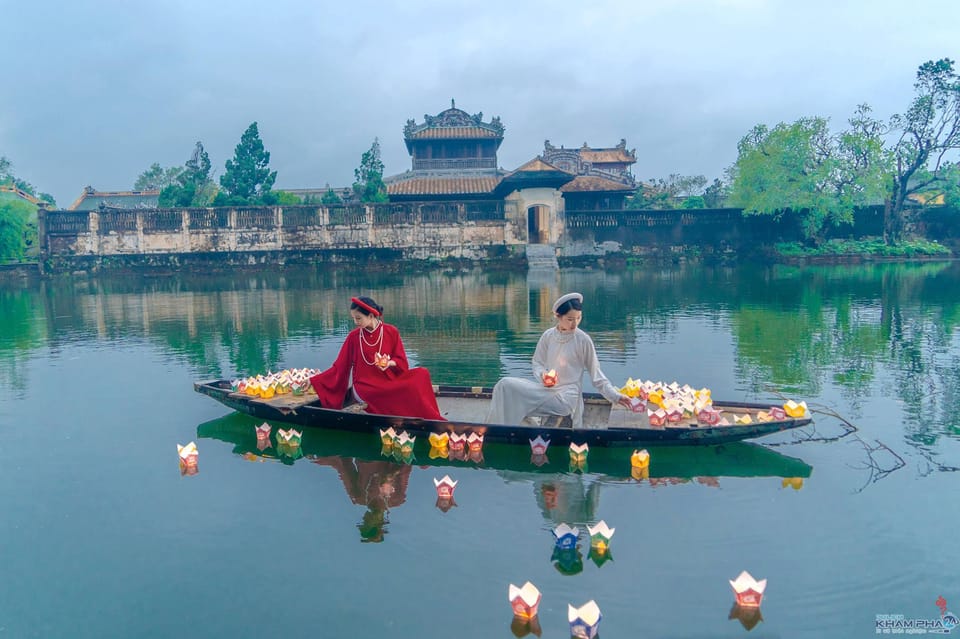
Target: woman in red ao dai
<point>373,353</point>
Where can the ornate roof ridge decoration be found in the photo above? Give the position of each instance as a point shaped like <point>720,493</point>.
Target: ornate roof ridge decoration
<point>550,149</point>
<point>453,118</point>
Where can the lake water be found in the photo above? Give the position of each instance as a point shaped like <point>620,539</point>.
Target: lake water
<point>103,537</point>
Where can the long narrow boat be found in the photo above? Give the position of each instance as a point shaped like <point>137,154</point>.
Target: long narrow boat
<point>465,407</point>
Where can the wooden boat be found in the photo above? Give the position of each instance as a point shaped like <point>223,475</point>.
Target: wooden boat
<point>465,407</point>
<point>739,459</point>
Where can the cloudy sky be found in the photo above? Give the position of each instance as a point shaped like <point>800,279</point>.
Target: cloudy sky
<point>95,91</point>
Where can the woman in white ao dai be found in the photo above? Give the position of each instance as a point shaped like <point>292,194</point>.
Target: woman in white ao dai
<point>569,353</point>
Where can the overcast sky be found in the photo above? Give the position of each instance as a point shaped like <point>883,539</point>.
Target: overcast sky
<point>95,91</point>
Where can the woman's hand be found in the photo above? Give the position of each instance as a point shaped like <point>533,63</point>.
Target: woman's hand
<point>625,402</point>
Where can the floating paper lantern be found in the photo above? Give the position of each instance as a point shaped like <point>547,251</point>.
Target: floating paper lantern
<point>578,453</point>
<point>188,454</point>
<point>793,482</point>
<point>439,440</point>
<point>445,486</point>
<point>524,600</point>
<point>457,442</point>
<point>263,433</point>
<point>640,459</point>
<point>794,409</point>
<point>475,442</point>
<point>387,437</point>
<point>290,438</point>
<point>566,536</point>
<point>438,453</point>
<point>539,445</point>
<point>404,443</point>
<point>748,591</point>
<point>600,535</point>
<point>585,620</point>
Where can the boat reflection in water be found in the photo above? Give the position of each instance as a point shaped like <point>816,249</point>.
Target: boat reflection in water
<point>379,483</point>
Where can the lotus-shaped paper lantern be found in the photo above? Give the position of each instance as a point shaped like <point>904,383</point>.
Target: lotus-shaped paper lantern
<point>600,535</point>
<point>777,412</point>
<point>445,486</point>
<point>631,388</point>
<point>794,409</point>
<point>524,600</point>
<point>793,482</point>
<point>404,443</point>
<point>439,440</point>
<point>439,453</point>
<point>748,591</point>
<point>550,378</point>
<point>585,620</point>
<point>539,445</point>
<point>189,455</point>
<point>566,536</point>
<point>263,433</point>
<point>387,437</point>
<point>381,361</point>
<point>657,417</point>
<point>640,459</point>
<point>578,453</point>
<point>457,442</point>
<point>475,442</point>
<point>290,438</point>
<point>708,416</point>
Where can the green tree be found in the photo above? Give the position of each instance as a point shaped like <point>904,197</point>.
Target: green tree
<point>15,216</point>
<point>156,178</point>
<point>248,178</point>
<point>368,185</point>
<point>330,198</point>
<point>928,132</point>
<point>193,186</point>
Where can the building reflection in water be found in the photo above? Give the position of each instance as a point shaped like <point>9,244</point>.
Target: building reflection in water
<point>378,485</point>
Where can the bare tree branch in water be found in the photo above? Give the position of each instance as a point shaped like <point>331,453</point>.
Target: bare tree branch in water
<point>877,470</point>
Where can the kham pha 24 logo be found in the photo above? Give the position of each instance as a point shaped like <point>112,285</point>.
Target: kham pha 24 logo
<point>900,625</point>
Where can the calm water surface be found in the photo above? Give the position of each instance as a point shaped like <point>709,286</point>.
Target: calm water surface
<point>103,537</point>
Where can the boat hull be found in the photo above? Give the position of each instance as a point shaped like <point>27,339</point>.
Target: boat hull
<point>306,411</point>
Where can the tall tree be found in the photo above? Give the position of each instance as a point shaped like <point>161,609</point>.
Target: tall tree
<point>156,178</point>
<point>715,195</point>
<point>368,177</point>
<point>928,132</point>
<point>248,178</point>
<point>805,168</point>
<point>193,186</point>
<point>7,177</point>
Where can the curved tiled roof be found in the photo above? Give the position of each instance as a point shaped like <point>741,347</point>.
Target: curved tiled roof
<point>453,185</point>
<point>454,133</point>
<point>583,183</point>
<point>606,155</point>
